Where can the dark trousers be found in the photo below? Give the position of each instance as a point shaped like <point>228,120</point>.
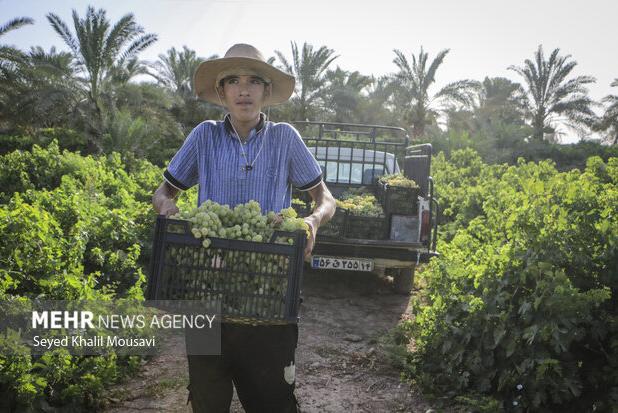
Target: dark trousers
<point>258,360</point>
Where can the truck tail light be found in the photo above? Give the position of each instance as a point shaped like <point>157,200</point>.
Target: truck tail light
<point>425,225</point>
<point>424,216</point>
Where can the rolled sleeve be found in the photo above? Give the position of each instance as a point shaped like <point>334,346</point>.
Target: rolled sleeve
<point>304,171</point>
<point>182,171</point>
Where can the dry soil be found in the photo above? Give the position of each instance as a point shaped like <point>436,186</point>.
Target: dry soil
<point>341,365</point>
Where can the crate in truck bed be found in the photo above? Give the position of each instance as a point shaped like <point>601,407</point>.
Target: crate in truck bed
<point>365,227</point>
<point>344,224</point>
<point>398,200</point>
<point>253,282</point>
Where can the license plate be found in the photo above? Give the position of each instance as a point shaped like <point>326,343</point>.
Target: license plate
<point>341,263</point>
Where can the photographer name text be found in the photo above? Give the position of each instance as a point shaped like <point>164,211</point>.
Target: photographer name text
<point>94,341</point>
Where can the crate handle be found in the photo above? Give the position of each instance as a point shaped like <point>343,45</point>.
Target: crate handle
<point>171,224</point>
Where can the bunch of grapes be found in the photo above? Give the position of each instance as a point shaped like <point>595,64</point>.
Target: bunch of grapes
<point>364,205</point>
<point>299,202</point>
<point>292,222</point>
<point>254,279</point>
<point>245,222</point>
<point>398,180</point>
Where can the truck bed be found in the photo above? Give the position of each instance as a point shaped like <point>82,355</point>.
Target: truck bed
<point>374,249</point>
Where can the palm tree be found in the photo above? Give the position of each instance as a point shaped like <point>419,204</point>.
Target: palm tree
<point>100,50</point>
<point>309,67</point>
<point>51,90</point>
<point>125,71</point>
<point>175,70</point>
<point>500,99</point>
<point>608,123</point>
<point>498,103</point>
<point>9,78</point>
<point>9,53</point>
<point>551,99</point>
<point>411,90</point>
<point>40,91</point>
<point>344,93</point>
<point>377,108</point>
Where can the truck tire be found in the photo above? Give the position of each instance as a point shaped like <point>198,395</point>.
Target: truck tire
<point>403,280</point>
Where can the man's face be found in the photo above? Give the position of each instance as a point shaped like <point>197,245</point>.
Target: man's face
<point>244,96</point>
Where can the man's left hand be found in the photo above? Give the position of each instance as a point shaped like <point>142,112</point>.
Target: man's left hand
<point>313,229</point>
<point>324,209</point>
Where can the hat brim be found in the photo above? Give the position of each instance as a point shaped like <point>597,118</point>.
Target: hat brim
<point>205,78</point>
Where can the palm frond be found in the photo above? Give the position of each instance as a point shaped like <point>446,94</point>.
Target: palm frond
<point>573,86</point>
<point>286,66</point>
<point>430,75</point>
<point>122,32</point>
<point>15,24</point>
<point>402,62</point>
<point>138,46</point>
<point>10,54</point>
<point>62,29</point>
<point>577,104</point>
<point>461,91</point>
<point>559,72</point>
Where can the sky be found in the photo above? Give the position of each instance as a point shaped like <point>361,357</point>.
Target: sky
<point>485,37</point>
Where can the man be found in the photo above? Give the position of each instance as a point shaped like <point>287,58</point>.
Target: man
<point>243,158</point>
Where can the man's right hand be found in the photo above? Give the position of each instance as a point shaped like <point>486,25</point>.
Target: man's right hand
<point>164,200</point>
<point>168,207</point>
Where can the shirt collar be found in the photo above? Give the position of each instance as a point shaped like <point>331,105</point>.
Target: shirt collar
<point>228,124</point>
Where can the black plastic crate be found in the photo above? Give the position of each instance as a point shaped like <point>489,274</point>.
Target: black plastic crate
<point>333,228</point>
<point>399,200</point>
<point>347,225</point>
<point>336,226</point>
<point>254,282</point>
<point>363,227</point>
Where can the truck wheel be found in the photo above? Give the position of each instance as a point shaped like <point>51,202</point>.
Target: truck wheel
<point>403,280</point>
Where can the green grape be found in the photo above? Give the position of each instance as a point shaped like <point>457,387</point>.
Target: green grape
<point>365,205</point>
<point>288,213</point>
<point>398,180</point>
<point>243,222</point>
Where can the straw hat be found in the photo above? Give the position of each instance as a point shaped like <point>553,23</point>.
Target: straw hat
<point>241,59</point>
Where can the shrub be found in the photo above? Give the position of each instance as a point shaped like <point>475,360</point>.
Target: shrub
<point>74,227</point>
<point>521,305</point>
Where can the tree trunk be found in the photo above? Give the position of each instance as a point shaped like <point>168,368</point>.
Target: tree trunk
<point>418,130</point>
<point>538,126</point>
<point>418,122</point>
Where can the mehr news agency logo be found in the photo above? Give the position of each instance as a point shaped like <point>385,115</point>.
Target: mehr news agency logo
<point>82,321</point>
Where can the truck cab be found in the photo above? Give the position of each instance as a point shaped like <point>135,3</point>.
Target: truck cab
<point>353,157</point>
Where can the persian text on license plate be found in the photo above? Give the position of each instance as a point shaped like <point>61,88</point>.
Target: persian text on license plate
<point>341,263</point>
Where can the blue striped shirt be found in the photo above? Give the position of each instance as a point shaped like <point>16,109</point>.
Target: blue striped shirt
<point>212,158</point>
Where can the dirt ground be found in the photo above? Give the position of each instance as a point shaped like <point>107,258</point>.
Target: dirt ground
<point>340,363</point>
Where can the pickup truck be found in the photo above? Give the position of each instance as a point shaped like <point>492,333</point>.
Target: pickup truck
<point>353,157</point>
